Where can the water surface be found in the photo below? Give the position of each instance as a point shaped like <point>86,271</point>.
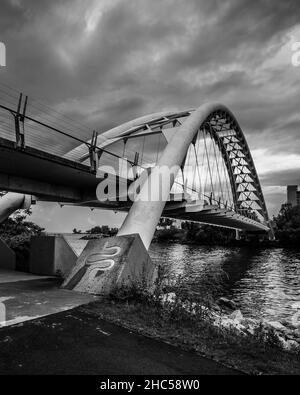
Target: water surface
<point>264,282</point>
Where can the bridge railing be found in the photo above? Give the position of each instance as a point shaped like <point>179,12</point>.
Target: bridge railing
<point>30,123</point>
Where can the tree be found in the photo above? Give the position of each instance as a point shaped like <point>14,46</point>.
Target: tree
<point>207,234</point>
<point>16,231</point>
<point>287,225</point>
<point>104,230</point>
<point>94,230</point>
<point>165,222</point>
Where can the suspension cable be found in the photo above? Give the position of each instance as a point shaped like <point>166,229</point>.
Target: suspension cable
<point>208,163</point>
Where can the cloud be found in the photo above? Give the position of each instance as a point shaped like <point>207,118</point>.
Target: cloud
<point>102,63</point>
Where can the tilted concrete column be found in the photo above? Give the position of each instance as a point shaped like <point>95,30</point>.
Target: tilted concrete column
<point>12,202</point>
<point>144,215</point>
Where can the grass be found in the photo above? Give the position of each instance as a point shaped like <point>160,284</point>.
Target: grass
<point>186,322</point>
<point>245,353</point>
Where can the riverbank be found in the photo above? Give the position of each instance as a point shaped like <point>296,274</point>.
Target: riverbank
<point>180,236</point>
<point>79,342</point>
<point>257,353</point>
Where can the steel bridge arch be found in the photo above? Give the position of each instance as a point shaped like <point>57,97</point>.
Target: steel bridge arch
<point>234,159</point>
<point>238,157</point>
<point>225,130</point>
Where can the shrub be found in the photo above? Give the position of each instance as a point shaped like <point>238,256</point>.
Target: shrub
<point>16,232</point>
<point>176,297</point>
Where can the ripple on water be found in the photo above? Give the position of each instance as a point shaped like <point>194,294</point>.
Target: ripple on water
<point>265,283</point>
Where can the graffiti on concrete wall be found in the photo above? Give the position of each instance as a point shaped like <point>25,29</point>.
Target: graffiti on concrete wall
<point>95,264</point>
<point>101,261</point>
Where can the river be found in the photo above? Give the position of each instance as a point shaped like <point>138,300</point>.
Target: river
<point>264,282</point>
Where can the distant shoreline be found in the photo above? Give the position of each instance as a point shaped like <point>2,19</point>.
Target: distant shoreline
<point>156,240</point>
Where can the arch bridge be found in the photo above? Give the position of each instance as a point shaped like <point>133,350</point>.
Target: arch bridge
<point>215,180</point>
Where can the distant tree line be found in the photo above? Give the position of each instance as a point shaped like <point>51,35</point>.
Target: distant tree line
<point>16,231</point>
<point>192,232</point>
<point>287,225</point>
<point>99,230</point>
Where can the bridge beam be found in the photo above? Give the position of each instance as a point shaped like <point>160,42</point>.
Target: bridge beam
<point>44,190</point>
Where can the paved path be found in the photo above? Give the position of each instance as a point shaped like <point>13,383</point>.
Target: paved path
<point>76,342</point>
<point>25,297</point>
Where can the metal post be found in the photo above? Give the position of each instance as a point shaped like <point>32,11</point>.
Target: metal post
<point>93,153</point>
<point>20,118</point>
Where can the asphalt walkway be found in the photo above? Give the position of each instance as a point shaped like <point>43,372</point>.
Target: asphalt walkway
<point>77,342</point>
<point>24,297</point>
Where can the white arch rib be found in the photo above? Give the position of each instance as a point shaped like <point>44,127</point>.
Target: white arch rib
<point>144,215</point>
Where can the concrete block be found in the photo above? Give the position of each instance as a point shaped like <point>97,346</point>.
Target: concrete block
<point>7,257</point>
<point>111,262</point>
<point>51,256</point>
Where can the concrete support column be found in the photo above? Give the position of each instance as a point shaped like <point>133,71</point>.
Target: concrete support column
<point>144,215</point>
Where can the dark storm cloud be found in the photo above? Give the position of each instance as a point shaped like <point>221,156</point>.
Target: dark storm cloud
<point>241,32</point>
<point>282,178</point>
<point>103,62</point>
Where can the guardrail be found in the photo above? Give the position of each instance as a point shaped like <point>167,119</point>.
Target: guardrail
<point>30,122</point>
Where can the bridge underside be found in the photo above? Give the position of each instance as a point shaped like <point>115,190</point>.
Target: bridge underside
<point>213,215</point>
<point>51,178</point>
<point>194,212</point>
<point>46,176</point>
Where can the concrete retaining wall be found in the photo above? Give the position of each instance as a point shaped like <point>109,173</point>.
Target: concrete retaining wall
<point>51,256</point>
<point>7,257</point>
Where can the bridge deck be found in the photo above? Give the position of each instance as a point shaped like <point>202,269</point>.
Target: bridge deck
<point>47,176</point>
<point>53,178</point>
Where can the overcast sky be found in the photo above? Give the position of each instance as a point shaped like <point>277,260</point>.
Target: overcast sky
<point>104,62</point>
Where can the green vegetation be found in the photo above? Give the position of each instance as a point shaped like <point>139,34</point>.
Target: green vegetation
<point>287,225</point>
<point>245,353</point>
<point>16,232</point>
<point>175,314</point>
<point>77,231</point>
<point>192,232</point>
<point>286,228</point>
<point>207,234</point>
<point>104,230</point>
